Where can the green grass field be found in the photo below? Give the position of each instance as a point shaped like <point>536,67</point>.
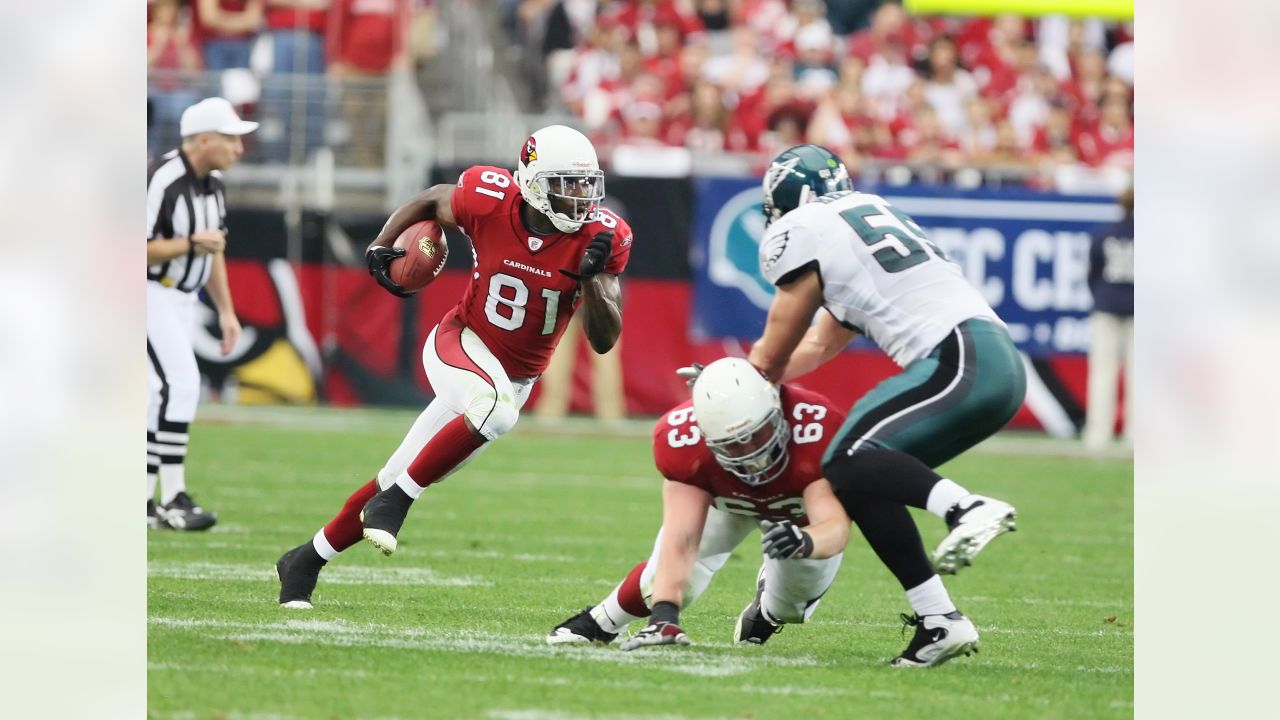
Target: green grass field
<point>544,524</point>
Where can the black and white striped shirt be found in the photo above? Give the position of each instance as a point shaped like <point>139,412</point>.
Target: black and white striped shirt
<point>180,204</point>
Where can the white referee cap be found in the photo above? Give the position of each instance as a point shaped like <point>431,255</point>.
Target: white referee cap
<point>214,114</point>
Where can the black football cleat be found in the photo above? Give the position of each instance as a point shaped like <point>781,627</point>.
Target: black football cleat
<point>753,627</point>
<point>580,629</point>
<point>154,521</point>
<point>298,570</point>
<point>382,517</point>
<point>182,513</point>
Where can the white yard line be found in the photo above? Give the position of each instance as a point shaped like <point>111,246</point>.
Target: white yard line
<point>983,629</point>
<point>351,575</point>
<point>697,662</point>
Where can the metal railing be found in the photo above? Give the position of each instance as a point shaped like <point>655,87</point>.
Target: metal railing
<point>322,140</point>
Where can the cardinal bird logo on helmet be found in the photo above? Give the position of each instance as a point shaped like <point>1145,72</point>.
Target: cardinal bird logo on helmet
<point>530,151</point>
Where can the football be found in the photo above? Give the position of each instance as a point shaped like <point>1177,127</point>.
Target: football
<point>425,252</point>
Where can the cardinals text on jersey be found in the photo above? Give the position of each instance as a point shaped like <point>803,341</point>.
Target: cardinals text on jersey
<point>518,301</point>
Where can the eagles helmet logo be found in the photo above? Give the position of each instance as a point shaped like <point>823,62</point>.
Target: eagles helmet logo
<point>530,152</point>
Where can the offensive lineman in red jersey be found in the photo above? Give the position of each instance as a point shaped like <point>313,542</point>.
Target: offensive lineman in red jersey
<point>741,454</point>
<point>543,246</point>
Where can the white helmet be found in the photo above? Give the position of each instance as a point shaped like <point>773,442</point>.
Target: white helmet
<point>740,414</point>
<point>560,176</point>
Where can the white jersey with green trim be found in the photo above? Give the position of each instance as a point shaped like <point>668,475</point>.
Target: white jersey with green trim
<point>880,274</point>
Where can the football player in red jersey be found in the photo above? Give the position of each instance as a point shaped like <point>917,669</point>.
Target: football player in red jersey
<point>543,246</point>
<point>741,454</point>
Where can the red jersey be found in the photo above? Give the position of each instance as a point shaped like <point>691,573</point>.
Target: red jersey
<point>681,455</point>
<point>518,302</point>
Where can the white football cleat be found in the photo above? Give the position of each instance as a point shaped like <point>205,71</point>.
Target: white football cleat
<point>938,638</point>
<point>974,522</point>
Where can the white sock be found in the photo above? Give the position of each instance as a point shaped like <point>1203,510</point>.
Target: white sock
<point>173,480</point>
<point>322,546</point>
<point>410,488</point>
<point>943,495</point>
<point>610,616</point>
<point>930,598</point>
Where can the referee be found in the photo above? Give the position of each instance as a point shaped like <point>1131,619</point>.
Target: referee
<point>186,226</point>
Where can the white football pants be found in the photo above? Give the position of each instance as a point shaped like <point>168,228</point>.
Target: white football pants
<point>467,380</point>
<point>792,588</point>
<point>173,378</point>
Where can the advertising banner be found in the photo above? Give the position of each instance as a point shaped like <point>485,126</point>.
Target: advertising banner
<point>1027,252</point>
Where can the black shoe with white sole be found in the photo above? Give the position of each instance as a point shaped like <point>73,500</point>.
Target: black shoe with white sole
<point>182,513</point>
<point>383,516</point>
<point>298,570</point>
<point>154,521</point>
<point>581,629</point>
<point>753,628</point>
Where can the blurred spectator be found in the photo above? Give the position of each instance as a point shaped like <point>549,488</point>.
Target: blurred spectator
<point>1005,151</point>
<point>642,18</point>
<point>889,22</point>
<point>887,77</point>
<point>762,15</point>
<point>1029,108</point>
<point>1060,38</point>
<point>1087,82</point>
<point>542,27</point>
<point>1111,142</point>
<point>979,135</point>
<point>1111,275</point>
<point>808,17</point>
<point>171,50</point>
<point>945,90</point>
<point>751,118</point>
<point>947,85</point>
<point>927,140</point>
<point>744,69</point>
<point>703,128</point>
<point>714,14</point>
<point>814,66</point>
<point>847,16</point>
<point>293,96</point>
<point>366,39</point>
<point>593,62</point>
<point>665,63</point>
<point>570,23</point>
<point>225,30</point>
<point>1120,61</point>
<point>1055,139</point>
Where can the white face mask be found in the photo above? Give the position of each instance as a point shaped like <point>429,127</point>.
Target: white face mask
<point>757,455</point>
<point>572,196</point>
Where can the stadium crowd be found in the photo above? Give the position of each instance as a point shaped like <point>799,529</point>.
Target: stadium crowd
<point>859,76</point>
<point>1008,95</point>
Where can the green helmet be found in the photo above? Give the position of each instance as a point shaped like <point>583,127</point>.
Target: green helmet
<point>799,175</point>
